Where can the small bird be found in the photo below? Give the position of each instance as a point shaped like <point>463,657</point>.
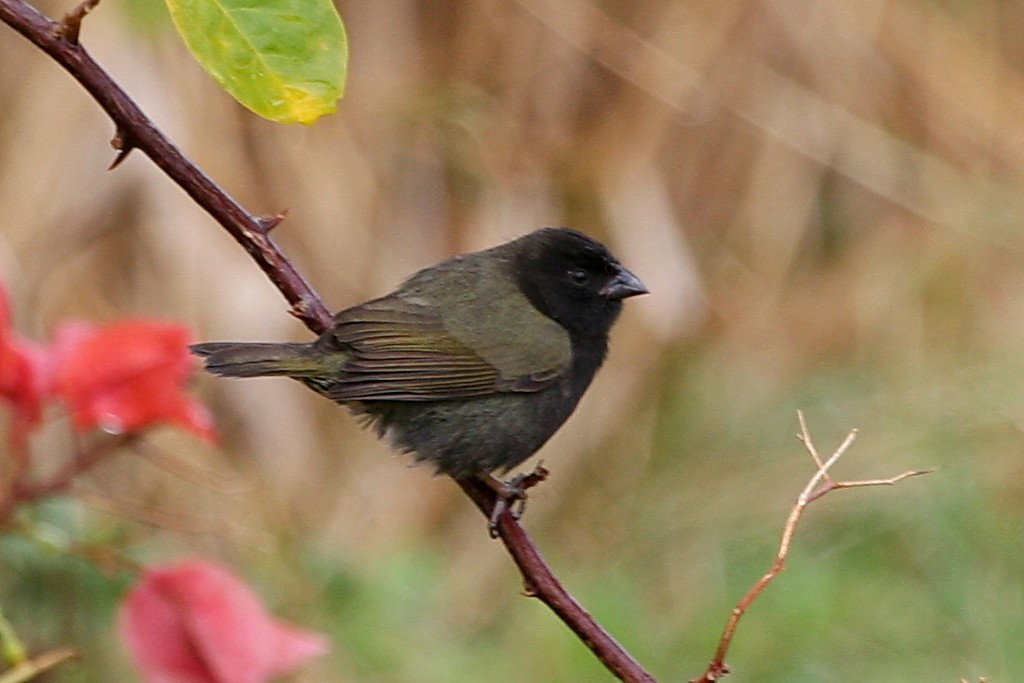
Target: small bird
<point>471,364</point>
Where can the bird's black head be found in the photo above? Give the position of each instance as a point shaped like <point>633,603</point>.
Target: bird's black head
<point>573,279</point>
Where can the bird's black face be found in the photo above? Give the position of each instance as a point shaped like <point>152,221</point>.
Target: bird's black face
<point>574,280</point>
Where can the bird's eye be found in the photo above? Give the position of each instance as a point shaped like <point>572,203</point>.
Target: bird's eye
<point>578,276</point>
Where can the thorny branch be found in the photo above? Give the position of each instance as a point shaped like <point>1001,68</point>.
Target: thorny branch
<point>820,484</point>
<point>134,130</point>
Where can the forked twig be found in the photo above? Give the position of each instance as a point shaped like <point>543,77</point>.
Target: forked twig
<point>818,486</point>
<point>827,483</point>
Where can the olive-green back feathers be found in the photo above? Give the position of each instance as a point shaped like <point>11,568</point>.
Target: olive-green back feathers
<point>462,332</point>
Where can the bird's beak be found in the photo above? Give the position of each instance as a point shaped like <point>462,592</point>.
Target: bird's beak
<point>623,285</point>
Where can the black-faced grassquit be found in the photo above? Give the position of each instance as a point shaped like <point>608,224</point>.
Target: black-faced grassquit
<point>471,364</point>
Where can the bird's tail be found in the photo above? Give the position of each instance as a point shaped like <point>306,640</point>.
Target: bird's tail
<point>258,359</point>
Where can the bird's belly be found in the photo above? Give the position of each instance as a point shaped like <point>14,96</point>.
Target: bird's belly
<point>469,437</point>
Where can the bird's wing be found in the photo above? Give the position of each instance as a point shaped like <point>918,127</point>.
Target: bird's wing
<point>403,349</point>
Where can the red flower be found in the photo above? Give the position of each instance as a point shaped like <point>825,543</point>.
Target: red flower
<point>196,623</point>
<point>25,376</point>
<point>127,376</point>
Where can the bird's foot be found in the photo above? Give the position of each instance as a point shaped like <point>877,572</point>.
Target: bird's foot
<point>511,494</point>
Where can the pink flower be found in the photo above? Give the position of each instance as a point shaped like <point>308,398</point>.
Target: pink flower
<point>196,623</point>
<point>127,376</point>
<point>25,377</point>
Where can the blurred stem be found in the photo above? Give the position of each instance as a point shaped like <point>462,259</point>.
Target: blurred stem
<point>10,645</point>
<point>18,462</point>
<point>30,668</point>
<point>83,460</point>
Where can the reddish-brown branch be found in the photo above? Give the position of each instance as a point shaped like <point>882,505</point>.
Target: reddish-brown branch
<point>541,583</point>
<point>135,131</point>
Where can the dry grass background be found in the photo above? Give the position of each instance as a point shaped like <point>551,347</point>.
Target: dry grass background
<point>825,201</point>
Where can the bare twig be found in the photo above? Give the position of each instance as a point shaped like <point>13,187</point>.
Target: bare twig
<point>135,131</point>
<point>819,485</point>
<point>31,668</point>
<point>836,485</point>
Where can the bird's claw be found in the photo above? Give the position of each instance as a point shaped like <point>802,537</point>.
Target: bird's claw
<point>511,495</point>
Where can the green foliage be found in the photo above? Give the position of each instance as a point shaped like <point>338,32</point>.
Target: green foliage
<point>285,60</point>
<point>918,591</point>
<point>52,599</point>
<point>396,624</point>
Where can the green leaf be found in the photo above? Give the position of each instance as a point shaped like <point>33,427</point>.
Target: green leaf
<point>283,59</point>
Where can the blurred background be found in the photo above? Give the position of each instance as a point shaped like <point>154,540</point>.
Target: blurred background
<point>825,201</point>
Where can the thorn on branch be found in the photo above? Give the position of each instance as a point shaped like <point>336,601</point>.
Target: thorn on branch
<point>312,313</point>
<point>268,223</point>
<point>70,24</point>
<point>534,477</point>
<point>124,144</point>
